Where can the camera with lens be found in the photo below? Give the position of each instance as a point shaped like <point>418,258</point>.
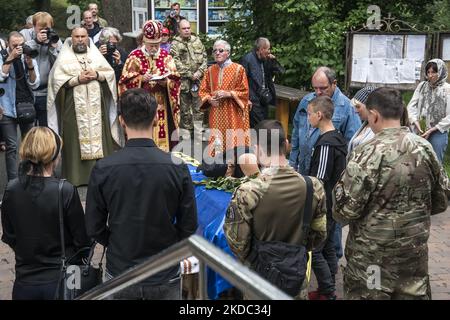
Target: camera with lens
<point>172,13</point>
<point>32,53</point>
<point>4,54</point>
<point>52,36</point>
<point>110,49</point>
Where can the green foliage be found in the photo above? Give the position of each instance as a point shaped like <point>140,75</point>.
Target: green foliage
<point>308,33</point>
<point>14,14</point>
<point>227,184</point>
<point>83,4</point>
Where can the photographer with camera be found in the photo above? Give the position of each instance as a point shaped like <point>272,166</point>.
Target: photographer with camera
<point>173,19</point>
<point>46,45</point>
<point>260,66</point>
<point>19,74</point>
<point>108,46</point>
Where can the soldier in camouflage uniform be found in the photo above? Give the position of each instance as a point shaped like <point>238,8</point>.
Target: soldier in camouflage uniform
<point>271,206</point>
<point>391,186</point>
<point>191,61</point>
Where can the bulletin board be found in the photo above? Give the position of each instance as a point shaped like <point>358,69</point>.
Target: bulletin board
<point>386,59</point>
<point>443,48</point>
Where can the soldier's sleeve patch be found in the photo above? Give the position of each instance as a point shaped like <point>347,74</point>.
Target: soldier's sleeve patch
<point>231,212</point>
<point>339,192</point>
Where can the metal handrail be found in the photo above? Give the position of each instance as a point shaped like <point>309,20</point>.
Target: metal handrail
<point>233,271</point>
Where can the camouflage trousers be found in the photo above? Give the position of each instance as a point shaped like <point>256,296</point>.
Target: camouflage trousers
<point>407,280</point>
<point>191,118</point>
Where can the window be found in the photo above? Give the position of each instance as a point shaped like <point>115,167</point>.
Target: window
<point>140,14</point>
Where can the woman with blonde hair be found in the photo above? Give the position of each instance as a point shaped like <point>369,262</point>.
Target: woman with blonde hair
<point>30,217</point>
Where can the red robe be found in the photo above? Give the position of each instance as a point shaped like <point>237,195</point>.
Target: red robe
<point>137,64</point>
<point>231,118</point>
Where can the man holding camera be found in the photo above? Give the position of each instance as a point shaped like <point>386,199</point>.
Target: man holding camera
<point>19,74</point>
<point>108,46</point>
<point>190,58</point>
<point>93,7</point>
<point>173,19</point>
<point>46,45</point>
<point>260,66</point>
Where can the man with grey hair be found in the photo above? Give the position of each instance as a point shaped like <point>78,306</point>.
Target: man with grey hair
<point>224,92</point>
<point>108,46</point>
<point>304,137</point>
<point>260,66</point>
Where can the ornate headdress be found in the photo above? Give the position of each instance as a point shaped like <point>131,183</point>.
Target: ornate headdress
<point>152,31</point>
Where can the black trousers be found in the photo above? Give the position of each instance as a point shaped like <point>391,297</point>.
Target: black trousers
<point>25,291</point>
<point>258,113</point>
<point>8,126</point>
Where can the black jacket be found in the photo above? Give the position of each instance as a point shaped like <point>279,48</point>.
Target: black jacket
<point>139,202</point>
<point>30,221</point>
<point>328,161</point>
<point>252,65</point>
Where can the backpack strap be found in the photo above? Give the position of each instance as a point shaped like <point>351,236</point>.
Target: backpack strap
<point>308,207</point>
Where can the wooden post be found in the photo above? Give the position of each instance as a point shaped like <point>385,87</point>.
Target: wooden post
<point>282,113</point>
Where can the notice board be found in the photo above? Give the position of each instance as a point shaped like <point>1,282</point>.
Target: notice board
<point>386,59</point>
<point>443,49</point>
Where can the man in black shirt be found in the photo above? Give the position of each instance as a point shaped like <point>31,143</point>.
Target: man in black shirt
<point>139,202</point>
<point>261,66</point>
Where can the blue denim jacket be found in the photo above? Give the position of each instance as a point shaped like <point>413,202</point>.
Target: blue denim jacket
<point>304,137</point>
<point>8,83</point>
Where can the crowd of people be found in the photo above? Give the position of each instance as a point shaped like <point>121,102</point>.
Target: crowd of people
<point>109,120</point>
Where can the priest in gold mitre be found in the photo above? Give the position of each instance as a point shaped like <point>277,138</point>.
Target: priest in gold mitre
<point>82,106</point>
<point>154,70</point>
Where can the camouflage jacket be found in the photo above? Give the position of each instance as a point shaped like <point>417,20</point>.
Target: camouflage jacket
<point>390,187</point>
<point>190,58</point>
<point>270,208</point>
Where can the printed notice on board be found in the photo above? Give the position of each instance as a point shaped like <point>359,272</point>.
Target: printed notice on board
<point>389,59</point>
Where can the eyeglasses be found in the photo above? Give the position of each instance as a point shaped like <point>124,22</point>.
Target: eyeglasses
<point>219,50</point>
<point>321,88</point>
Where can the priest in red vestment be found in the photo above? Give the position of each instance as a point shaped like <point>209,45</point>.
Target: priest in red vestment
<point>153,69</point>
<point>224,91</point>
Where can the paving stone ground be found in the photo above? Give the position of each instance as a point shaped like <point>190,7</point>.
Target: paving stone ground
<point>439,261</point>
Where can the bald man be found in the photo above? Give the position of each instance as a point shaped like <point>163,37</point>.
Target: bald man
<point>304,137</point>
<point>82,106</point>
<point>91,26</point>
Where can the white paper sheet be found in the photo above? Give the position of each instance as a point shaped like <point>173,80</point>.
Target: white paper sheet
<point>446,49</point>
<point>418,70</point>
<point>376,71</point>
<point>361,46</point>
<point>407,71</point>
<point>360,70</point>
<point>391,71</point>
<point>378,46</point>
<point>394,47</point>
<point>415,47</point>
